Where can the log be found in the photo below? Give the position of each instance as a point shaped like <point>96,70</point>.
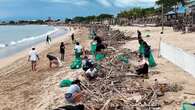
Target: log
<point>106,104</point>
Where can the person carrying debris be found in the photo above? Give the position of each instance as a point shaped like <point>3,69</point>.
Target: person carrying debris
<point>142,67</point>
<point>73,94</point>
<point>53,60</point>
<point>87,63</point>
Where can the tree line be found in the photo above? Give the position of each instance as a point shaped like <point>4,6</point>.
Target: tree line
<point>87,19</point>
<point>169,5</point>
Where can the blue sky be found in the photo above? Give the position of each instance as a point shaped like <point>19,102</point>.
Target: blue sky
<point>41,9</point>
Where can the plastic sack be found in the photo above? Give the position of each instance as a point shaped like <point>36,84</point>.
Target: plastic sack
<point>141,49</point>
<point>76,64</point>
<point>123,59</point>
<point>93,48</point>
<point>65,83</point>
<point>78,55</point>
<point>151,60</point>
<point>99,57</point>
<point>187,106</point>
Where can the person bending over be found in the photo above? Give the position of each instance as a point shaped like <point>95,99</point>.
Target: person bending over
<point>53,60</point>
<point>73,94</point>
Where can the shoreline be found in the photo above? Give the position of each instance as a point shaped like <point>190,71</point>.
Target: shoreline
<point>23,89</point>
<point>40,47</point>
<point>30,40</point>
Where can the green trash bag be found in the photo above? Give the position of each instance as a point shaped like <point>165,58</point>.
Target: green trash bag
<point>93,48</point>
<point>123,59</point>
<point>99,57</point>
<point>151,60</point>
<point>141,49</point>
<point>76,64</point>
<point>77,55</point>
<point>187,106</point>
<point>65,83</point>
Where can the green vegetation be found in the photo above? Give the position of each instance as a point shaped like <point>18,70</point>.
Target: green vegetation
<point>138,12</point>
<point>168,4</point>
<point>144,12</point>
<point>87,19</point>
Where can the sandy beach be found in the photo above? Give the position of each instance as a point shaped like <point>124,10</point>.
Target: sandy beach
<point>22,89</point>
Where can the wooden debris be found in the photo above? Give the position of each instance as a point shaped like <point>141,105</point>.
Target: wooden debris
<point>117,84</point>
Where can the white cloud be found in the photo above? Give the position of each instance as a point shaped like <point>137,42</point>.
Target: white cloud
<point>105,3</point>
<point>75,2</point>
<point>125,3</point>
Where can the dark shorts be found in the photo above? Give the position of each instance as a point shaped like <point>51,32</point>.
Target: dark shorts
<point>69,98</point>
<point>33,62</point>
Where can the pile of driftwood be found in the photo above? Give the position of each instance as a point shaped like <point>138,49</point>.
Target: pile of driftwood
<point>112,38</point>
<point>118,87</point>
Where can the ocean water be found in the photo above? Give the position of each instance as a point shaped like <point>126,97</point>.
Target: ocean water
<point>14,39</point>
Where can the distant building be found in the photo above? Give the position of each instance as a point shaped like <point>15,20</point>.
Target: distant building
<point>49,19</point>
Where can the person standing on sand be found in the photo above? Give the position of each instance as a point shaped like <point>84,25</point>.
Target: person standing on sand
<point>78,50</point>
<point>139,35</point>
<point>48,39</point>
<point>72,37</point>
<point>33,57</point>
<point>62,51</point>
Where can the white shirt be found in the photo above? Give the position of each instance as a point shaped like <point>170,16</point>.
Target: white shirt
<point>78,48</point>
<point>143,62</point>
<point>92,73</point>
<point>33,55</point>
<point>73,89</point>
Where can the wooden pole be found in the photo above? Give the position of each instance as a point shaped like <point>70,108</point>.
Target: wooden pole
<point>162,18</point>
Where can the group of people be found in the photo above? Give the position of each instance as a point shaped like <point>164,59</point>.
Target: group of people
<point>33,56</point>
<point>89,66</point>
<point>88,63</point>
